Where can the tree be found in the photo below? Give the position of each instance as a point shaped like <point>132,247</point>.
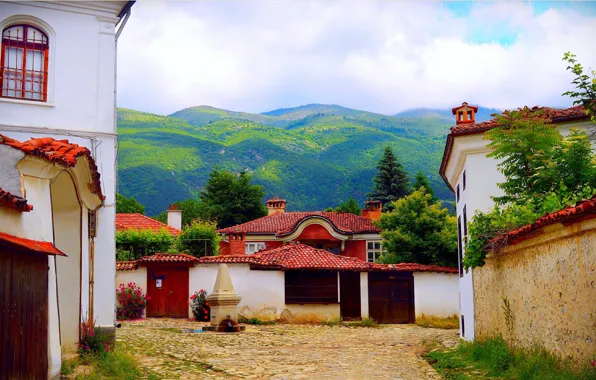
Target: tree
<point>585,88</point>
<point>128,205</point>
<point>199,239</point>
<point>391,181</point>
<point>231,199</point>
<point>418,230</point>
<point>422,180</point>
<point>133,244</point>
<point>192,209</point>
<point>349,206</point>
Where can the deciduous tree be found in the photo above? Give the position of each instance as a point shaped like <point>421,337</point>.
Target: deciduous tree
<point>126,205</point>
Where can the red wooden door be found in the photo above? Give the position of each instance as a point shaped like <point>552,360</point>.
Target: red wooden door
<point>23,314</point>
<point>168,289</point>
<point>391,297</point>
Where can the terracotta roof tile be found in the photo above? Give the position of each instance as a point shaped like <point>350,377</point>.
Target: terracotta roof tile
<point>301,256</point>
<point>126,265</point>
<point>12,201</point>
<point>60,152</point>
<point>31,245</point>
<point>284,223</point>
<point>583,210</point>
<point>171,258</point>
<point>142,222</point>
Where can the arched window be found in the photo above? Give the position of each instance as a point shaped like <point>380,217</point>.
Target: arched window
<point>24,63</point>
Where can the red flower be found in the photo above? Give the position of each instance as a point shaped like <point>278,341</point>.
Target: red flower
<point>193,296</point>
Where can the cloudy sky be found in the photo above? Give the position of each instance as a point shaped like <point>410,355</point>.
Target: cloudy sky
<point>380,56</point>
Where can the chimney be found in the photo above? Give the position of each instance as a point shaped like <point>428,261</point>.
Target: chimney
<point>174,217</point>
<point>464,114</point>
<point>372,210</point>
<point>276,205</point>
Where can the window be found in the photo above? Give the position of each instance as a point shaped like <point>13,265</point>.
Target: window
<point>459,247</point>
<point>465,214</point>
<point>464,180</point>
<point>251,248</point>
<point>24,63</point>
<point>311,287</point>
<point>457,194</point>
<point>374,250</point>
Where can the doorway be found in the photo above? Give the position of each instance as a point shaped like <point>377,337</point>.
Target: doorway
<point>168,289</point>
<point>349,295</point>
<point>391,297</point>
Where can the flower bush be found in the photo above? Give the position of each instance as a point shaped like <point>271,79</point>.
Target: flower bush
<point>200,306</point>
<point>132,301</point>
<point>92,341</point>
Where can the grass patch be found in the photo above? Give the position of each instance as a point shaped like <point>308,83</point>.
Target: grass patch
<point>494,358</point>
<point>170,329</point>
<point>333,322</point>
<point>257,321</point>
<point>365,322</point>
<point>451,322</point>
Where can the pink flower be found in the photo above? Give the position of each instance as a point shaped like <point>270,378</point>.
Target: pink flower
<point>593,363</point>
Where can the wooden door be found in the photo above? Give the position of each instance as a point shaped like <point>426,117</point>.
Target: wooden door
<point>23,314</point>
<point>168,289</point>
<point>391,297</point>
<point>349,295</point>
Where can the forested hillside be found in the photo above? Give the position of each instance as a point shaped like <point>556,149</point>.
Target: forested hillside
<point>314,156</point>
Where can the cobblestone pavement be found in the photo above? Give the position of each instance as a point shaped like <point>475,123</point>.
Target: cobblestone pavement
<point>282,351</point>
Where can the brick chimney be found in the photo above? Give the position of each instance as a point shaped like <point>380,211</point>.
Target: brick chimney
<point>276,205</point>
<point>372,210</point>
<point>464,113</point>
<point>237,242</point>
<point>174,217</point>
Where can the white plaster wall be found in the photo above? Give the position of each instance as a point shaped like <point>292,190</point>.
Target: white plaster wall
<point>137,276</point>
<point>364,313</point>
<point>436,293</point>
<point>259,289</point>
<point>54,350</point>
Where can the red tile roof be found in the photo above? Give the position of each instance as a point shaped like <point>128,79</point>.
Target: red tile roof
<point>60,152</point>
<point>31,245</point>
<point>12,201</point>
<point>126,265</point>
<point>142,222</point>
<point>285,223</point>
<point>168,258</point>
<point>301,256</point>
<point>583,210</point>
<point>553,114</point>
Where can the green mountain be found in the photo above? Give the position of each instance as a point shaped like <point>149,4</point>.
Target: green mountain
<point>314,156</point>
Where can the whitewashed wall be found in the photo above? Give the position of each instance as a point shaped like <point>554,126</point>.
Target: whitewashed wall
<point>137,276</point>
<point>436,293</point>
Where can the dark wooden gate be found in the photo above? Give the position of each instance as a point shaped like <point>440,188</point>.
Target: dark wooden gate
<point>23,314</point>
<point>349,295</point>
<point>171,298</point>
<point>391,297</point>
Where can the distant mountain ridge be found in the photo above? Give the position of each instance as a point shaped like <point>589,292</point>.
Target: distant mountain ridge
<point>315,155</point>
<point>483,113</point>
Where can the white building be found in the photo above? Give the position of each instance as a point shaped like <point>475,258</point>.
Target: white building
<point>473,178</point>
<point>57,197</point>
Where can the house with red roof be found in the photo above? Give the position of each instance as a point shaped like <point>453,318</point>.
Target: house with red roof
<point>340,233</point>
<point>298,283</point>
<point>57,178</point>
<point>139,222</point>
<point>473,177</point>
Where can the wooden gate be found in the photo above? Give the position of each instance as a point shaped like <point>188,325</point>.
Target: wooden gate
<point>23,314</point>
<point>391,297</point>
<point>168,289</point>
<point>349,295</point>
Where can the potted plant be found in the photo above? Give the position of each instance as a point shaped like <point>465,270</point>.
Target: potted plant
<point>200,306</point>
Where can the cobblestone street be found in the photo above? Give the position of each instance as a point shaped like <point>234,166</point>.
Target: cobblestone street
<point>282,351</point>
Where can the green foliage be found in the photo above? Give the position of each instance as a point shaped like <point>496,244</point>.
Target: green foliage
<point>115,365</point>
<point>391,181</point>
<point>93,341</point>
<point>131,301</point>
<point>419,231</point>
<point>199,305</point>
<point>585,86</point>
<point>544,172</point>
<point>349,206</point>
<point>133,244</point>
<point>257,321</point>
<point>494,358</point>
<point>232,199</point>
<point>199,239</point>
<point>422,180</point>
<point>191,209</point>
<point>128,205</point>
<point>432,321</point>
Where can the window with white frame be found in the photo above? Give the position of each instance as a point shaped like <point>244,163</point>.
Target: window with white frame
<point>374,249</point>
<point>253,247</point>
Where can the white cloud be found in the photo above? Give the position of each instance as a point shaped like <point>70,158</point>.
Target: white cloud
<point>378,56</point>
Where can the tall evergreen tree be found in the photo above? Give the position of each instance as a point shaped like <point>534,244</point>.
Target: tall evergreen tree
<point>391,181</point>
<point>422,181</point>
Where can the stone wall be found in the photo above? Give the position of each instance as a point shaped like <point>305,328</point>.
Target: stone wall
<point>549,281</point>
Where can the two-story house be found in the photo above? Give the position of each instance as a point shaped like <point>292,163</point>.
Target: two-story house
<point>337,232</point>
<point>473,178</point>
<point>57,178</point>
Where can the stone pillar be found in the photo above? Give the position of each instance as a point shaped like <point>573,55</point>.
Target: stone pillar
<point>223,300</point>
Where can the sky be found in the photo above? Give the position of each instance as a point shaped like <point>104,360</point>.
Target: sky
<point>379,56</point>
